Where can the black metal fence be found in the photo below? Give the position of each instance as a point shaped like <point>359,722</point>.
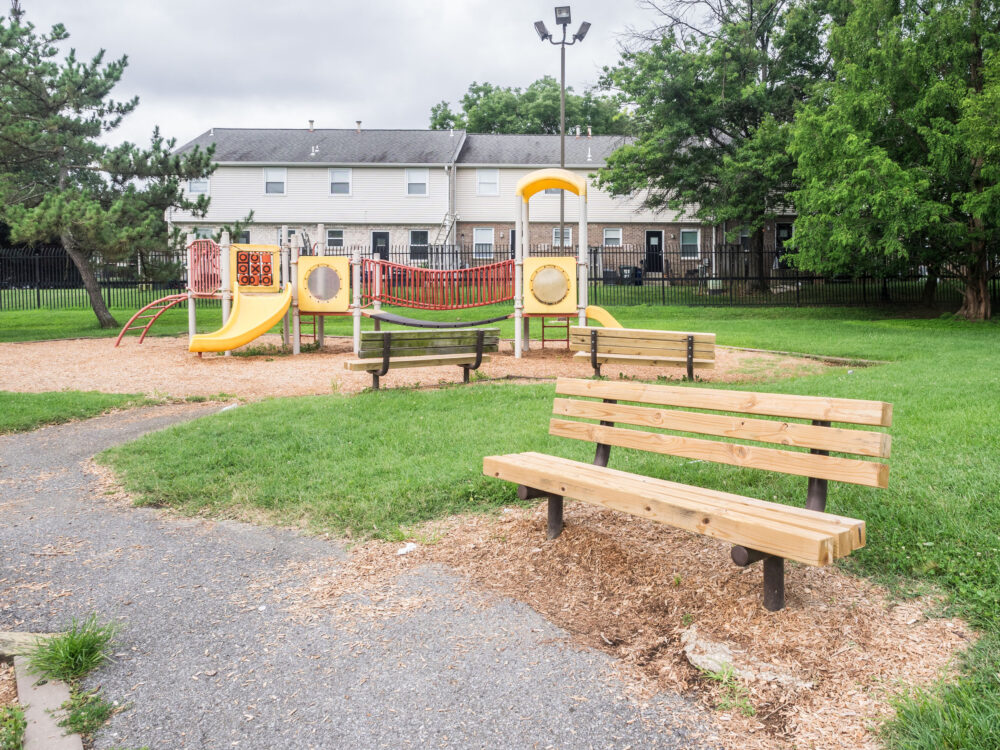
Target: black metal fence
<point>619,275</point>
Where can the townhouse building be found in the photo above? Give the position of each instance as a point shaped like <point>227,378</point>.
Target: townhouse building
<point>406,193</point>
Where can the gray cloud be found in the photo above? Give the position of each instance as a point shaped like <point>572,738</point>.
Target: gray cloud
<point>196,65</point>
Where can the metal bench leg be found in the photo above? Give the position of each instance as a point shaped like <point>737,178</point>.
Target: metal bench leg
<point>774,583</point>
<point>374,380</point>
<point>465,373</point>
<point>690,358</point>
<point>555,514</point>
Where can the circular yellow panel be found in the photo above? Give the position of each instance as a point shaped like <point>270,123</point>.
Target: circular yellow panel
<point>550,284</point>
<point>323,283</point>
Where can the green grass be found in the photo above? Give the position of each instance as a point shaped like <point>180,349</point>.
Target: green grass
<point>374,464</point>
<point>74,653</point>
<point>43,325</point>
<point>12,726</point>
<point>86,712</point>
<point>26,411</point>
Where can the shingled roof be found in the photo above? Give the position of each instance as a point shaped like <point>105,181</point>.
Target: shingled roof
<point>540,150</point>
<point>347,146</point>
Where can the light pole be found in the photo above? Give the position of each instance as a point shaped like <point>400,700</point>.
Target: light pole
<point>562,19</point>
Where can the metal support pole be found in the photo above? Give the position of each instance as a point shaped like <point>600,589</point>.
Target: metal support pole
<point>293,279</point>
<point>226,268</point>
<point>321,319</point>
<point>690,358</point>
<point>284,253</point>
<point>816,495</point>
<point>562,137</point>
<point>192,311</point>
<point>555,509</point>
<point>774,583</point>
<point>356,304</point>
<point>582,262</point>
<point>520,248</point>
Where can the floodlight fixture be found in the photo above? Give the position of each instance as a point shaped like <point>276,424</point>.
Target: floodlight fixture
<point>543,33</point>
<point>563,15</point>
<point>582,31</point>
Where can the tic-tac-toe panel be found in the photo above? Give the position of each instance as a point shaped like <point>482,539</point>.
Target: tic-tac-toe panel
<point>255,268</point>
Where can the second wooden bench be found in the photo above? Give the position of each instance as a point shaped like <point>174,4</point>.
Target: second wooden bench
<point>382,351</point>
<point>634,346</point>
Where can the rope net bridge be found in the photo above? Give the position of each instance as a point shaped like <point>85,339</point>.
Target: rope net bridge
<point>434,289</point>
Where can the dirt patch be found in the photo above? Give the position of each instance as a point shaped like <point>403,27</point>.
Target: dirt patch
<point>8,685</point>
<point>635,588</point>
<point>164,367</point>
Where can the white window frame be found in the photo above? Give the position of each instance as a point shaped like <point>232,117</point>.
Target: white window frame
<point>612,229</point>
<point>350,181</point>
<point>478,254</point>
<point>205,180</point>
<point>284,179</point>
<point>697,240</point>
<point>203,233</point>
<point>426,246</point>
<point>328,245</point>
<point>483,186</point>
<point>409,173</point>
<point>569,236</point>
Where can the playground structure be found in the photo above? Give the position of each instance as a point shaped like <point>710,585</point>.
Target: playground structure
<point>274,283</point>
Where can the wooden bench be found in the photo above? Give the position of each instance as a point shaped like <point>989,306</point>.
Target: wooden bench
<point>383,350</point>
<point>761,530</point>
<point>634,346</point>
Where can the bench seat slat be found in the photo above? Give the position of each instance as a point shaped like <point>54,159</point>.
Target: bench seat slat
<point>411,351</point>
<point>639,333</point>
<point>730,524</point>
<point>665,361</point>
<point>859,442</point>
<point>854,471</point>
<point>851,411</point>
<point>402,335</point>
<point>357,365</point>
<point>848,533</point>
<point>640,346</point>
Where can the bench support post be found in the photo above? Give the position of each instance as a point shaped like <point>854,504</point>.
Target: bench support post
<point>603,452</point>
<point>774,583</point>
<point>816,495</point>
<point>386,348</point>
<point>593,353</point>
<point>480,337</point>
<point>555,509</point>
<point>690,358</point>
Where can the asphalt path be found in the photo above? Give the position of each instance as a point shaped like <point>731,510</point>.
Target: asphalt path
<point>209,656</point>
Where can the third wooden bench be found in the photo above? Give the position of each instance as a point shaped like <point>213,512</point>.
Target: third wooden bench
<point>761,530</point>
<point>635,346</point>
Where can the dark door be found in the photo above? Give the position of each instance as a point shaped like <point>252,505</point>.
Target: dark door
<point>380,245</point>
<point>654,251</point>
<point>513,242</point>
<point>782,233</point>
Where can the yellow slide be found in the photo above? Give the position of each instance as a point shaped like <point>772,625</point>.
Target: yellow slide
<point>252,315</point>
<point>602,316</point>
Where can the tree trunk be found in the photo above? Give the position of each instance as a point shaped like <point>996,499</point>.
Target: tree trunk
<point>104,317</point>
<point>976,295</point>
<point>930,287</point>
<point>758,272</point>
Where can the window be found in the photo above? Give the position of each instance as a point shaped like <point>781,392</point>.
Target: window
<point>198,186</point>
<point>416,182</point>
<point>567,240</point>
<point>418,244</point>
<point>689,244</point>
<point>334,237</point>
<point>552,191</point>
<point>482,243</point>
<point>613,237</point>
<point>487,182</point>
<point>274,180</point>
<point>203,233</point>
<point>340,182</point>
<point>243,238</point>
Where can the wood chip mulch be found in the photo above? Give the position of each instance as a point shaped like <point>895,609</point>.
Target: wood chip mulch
<point>632,587</point>
<point>163,366</point>
<point>8,685</point>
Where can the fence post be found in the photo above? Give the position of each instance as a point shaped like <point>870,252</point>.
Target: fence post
<point>38,281</point>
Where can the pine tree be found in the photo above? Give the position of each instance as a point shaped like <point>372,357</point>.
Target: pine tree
<point>58,180</point>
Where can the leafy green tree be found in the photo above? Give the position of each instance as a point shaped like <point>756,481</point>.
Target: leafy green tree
<point>58,180</point>
<point>713,91</point>
<point>904,162</point>
<point>494,109</point>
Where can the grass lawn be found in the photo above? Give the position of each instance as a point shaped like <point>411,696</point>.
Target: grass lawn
<point>26,411</point>
<point>42,325</point>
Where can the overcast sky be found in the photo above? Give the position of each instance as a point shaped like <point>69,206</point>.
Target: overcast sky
<point>197,64</point>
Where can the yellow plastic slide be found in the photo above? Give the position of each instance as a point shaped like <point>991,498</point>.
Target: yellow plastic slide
<point>253,315</point>
<point>602,316</point>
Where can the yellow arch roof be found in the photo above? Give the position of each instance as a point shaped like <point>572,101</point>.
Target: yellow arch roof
<point>544,179</point>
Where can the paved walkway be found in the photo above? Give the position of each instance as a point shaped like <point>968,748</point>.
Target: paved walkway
<point>205,662</point>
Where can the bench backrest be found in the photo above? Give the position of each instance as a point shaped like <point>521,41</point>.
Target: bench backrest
<point>428,343</point>
<point>640,342</point>
<point>791,437</point>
